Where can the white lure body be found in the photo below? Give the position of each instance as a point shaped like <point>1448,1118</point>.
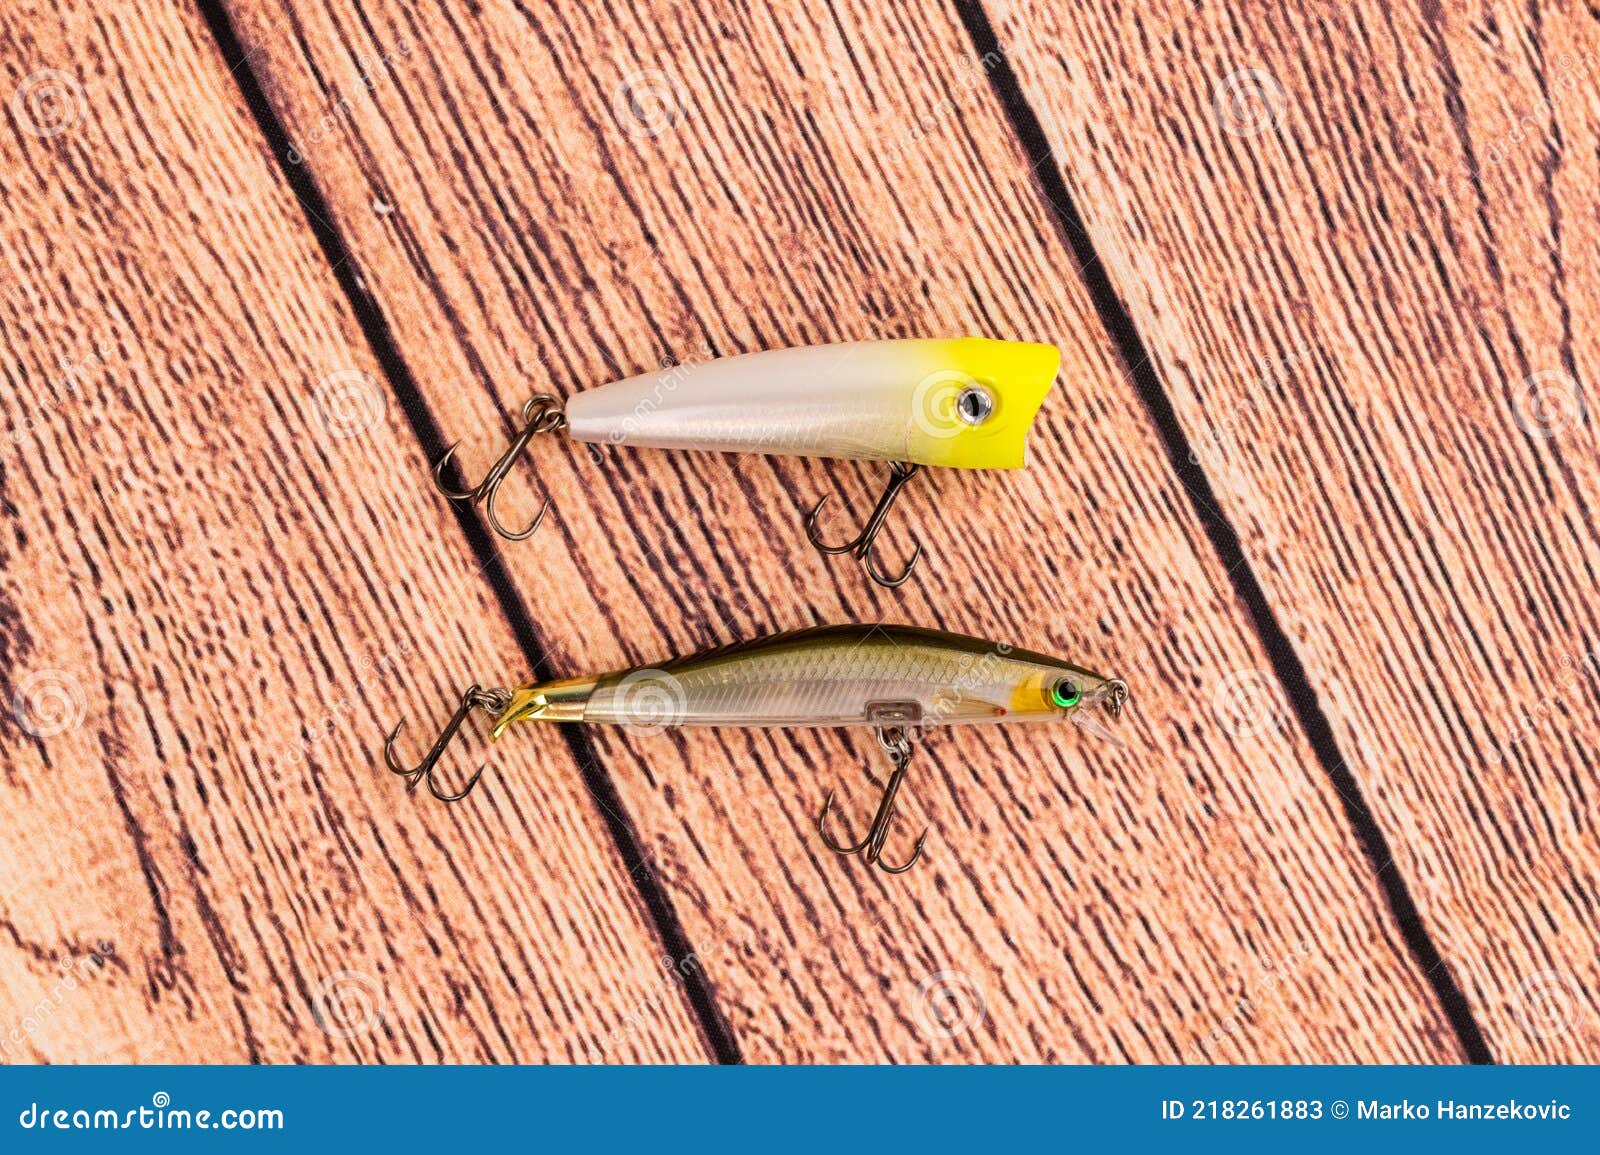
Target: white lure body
<point>964,402</point>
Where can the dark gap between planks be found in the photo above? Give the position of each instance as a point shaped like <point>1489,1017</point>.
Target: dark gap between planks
<point>719,1034</point>
<point>1286,664</point>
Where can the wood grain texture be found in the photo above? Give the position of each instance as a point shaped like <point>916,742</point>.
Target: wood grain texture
<point>220,587</point>
<point>554,197</point>
<point>1360,243</point>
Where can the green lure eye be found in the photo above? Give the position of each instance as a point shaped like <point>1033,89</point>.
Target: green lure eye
<point>1065,693</point>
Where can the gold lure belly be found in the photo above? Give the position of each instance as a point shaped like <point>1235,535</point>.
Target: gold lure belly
<point>961,403</point>
<point>900,680</point>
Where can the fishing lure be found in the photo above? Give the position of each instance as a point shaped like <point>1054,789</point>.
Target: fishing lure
<point>900,680</point>
<point>965,403</point>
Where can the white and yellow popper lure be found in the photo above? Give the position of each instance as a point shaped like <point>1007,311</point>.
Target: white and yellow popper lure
<point>899,680</point>
<point>962,403</point>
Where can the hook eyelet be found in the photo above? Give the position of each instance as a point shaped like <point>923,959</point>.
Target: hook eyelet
<point>896,741</point>
<point>475,698</point>
<point>542,414</point>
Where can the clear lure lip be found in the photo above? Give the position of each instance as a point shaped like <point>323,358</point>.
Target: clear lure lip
<point>1113,695</point>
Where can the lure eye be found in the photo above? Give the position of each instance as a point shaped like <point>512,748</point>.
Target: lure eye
<point>1066,693</point>
<point>974,404</point>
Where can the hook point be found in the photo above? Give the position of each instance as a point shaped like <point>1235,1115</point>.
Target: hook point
<point>896,742</point>
<point>438,475</point>
<point>542,414</point>
<point>916,854</point>
<point>860,547</point>
<point>475,698</point>
<point>512,535</point>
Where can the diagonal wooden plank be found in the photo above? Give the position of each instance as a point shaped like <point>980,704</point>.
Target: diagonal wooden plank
<point>219,589</point>
<point>1359,243</point>
<point>555,197</point>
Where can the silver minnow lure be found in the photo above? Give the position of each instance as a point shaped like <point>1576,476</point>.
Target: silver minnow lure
<point>900,680</point>
<point>962,403</point>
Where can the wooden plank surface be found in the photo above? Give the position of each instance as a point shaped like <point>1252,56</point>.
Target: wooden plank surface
<point>551,198</point>
<point>220,586</point>
<point>1359,242</point>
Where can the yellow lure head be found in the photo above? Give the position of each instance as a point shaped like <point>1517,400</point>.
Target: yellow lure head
<point>976,400</point>
<point>1057,690</point>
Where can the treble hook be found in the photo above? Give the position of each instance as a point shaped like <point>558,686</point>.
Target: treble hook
<point>476,698</point>
<point>860,547</point>
<point>542,414</point>
<point>895,740</point>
